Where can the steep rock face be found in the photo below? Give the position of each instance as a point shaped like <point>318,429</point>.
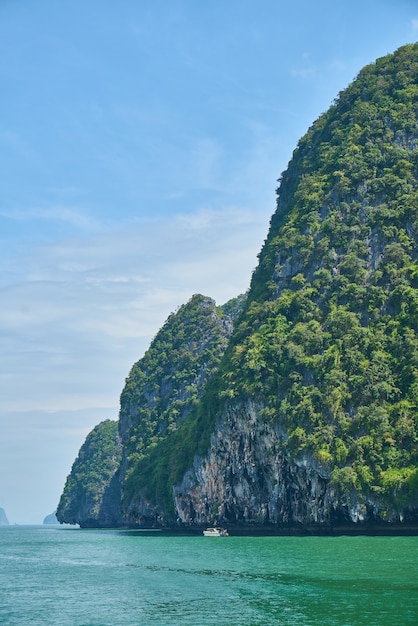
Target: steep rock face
<point>327,347</point>
<point>159,393</point>
<point>165,385</point>
<point>91,495</point>
<point>307,414</point>
<point>329,341</point>
<point>248,478</point>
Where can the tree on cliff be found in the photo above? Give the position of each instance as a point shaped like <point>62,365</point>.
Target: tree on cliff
<point>91,477</point>
<point>323,359</point>
<point>328,341</point>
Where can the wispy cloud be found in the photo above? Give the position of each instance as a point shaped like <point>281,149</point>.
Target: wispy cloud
<point>57,213</point>
<point>14,142</point>
<point>305,69</point>
<point>81,312</point>
<point>206,159</point>
<point>337,65</point>
<point>85,310</point>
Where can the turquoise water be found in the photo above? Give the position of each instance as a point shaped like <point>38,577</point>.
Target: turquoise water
<point>77,577</point>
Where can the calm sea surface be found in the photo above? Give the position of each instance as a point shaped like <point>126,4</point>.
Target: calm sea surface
<point>62,576</point>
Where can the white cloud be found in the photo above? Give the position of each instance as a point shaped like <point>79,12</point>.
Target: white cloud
<point>82,311</point>
<point>337,65</point>
<point>72,216</point>
<point>305,69</point>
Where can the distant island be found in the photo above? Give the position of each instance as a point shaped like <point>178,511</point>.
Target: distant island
<point>3,518</point>
<point>51,519</point>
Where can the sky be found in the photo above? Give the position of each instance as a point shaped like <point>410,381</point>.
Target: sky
<point>140,146</point>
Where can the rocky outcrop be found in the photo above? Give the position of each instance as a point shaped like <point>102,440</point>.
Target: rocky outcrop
<point>165,385</point>
<point>160,392</point>
<point>301,411</point>
<point>91,495</point>
<point>249,478</point>
<point>328,343</point>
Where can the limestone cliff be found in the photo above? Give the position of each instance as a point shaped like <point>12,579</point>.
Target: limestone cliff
<point>91,493</point>
<point>166,384</point>
<point>248,478</point>
<point>312,417</point>
<point>304,412</point>
<point>160,391</point>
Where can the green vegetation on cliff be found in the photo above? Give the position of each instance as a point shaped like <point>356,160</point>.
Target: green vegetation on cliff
<point>328,342</point>
<point>160,392</point>
<point>91,476</point>
<point>333,311</point>
<point>325,344</point>
<point>166,384</point>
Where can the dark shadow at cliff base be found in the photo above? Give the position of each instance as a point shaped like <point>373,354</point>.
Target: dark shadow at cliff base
<point>353,529</point>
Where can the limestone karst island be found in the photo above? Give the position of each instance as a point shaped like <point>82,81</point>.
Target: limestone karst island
<point>3,518</point>
<point>293,407</point>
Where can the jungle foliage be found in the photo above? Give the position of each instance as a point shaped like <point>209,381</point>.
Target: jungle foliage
<point>98,460</point>
<point>165,385</point>
<point>328,339</point>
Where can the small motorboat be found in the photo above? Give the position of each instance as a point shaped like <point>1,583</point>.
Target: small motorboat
<point>216,532</point>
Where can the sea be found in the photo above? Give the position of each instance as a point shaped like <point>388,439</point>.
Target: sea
<point>74,577</point>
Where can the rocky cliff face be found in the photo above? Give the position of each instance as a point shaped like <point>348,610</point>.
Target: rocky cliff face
<point>91,495</point>
<point>248,478</point>
<point>166,384</point>
<point>306,415</point>
<point>161,390</point>
<point>315,416</point>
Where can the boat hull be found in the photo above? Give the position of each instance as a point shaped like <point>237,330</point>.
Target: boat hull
<point>215,532</point>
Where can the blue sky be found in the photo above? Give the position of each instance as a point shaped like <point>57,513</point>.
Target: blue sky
<point>140,145</point>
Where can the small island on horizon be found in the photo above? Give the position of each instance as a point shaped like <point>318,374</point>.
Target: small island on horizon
<point>50,519</point>
<point>3,518</point>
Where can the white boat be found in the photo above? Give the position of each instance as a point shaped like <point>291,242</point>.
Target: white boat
<point>215,532</point>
